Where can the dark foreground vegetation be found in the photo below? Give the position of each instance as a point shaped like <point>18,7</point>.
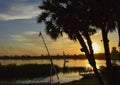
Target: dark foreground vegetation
<point>115,74</point>
<point>20,72</point>
<point>11,72</point>
<point>23,71</point>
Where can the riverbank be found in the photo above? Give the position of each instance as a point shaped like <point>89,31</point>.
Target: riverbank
<point>35,70</point>
<point>84,81</point>
<point>30,71</point>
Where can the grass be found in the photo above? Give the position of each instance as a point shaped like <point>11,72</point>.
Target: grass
<point>29,71</point>
<point>23,71</point>
<point>10,73</point>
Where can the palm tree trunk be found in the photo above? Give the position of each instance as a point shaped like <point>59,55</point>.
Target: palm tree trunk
<point>106,48</point>
<point>90,58</point>
<point>107,54</point>
<point>98,76</point>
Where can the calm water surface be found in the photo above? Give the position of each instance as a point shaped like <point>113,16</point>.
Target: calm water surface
<point>64,77</point>
<point>60,63</point>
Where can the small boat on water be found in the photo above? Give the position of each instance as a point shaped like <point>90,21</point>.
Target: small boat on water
<point>65,60</point>
<point>64,57</point>
<point>87,74</point>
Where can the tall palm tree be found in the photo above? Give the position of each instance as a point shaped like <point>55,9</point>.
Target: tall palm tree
<point>71,17</point>
<point>105,15</point>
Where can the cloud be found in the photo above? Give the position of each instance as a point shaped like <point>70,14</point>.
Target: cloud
<point>12,49</point>
<point>27,38</point>
<point>32,40</point>
<point>19,10</point>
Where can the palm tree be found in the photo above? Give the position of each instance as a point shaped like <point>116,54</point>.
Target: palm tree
<point>71,17</point>
<point>106,18</point>
<point>105,15</point>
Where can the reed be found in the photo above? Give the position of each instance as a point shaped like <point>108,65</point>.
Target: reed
<point>32,71</point>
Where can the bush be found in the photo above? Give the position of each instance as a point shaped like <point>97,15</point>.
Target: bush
<point>24,71</point>
<point>114,74</point>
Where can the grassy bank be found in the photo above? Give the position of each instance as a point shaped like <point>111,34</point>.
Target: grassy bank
<point>24,71</point>
<point>11,72</point>
<point>85,81</point>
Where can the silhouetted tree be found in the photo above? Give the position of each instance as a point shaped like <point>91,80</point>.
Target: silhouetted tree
<point>71,17</point>
<point>105,16</point>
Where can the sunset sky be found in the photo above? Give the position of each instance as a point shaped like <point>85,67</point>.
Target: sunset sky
<point>19,32</point>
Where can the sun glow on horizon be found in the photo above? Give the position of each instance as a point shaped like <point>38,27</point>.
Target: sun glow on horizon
<point>96,48</point>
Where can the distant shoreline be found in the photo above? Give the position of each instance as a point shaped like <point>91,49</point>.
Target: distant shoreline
<point>100,56</point>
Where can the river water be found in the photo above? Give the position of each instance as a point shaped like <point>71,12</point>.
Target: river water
<point>63,77</point>
<point>60,62</point>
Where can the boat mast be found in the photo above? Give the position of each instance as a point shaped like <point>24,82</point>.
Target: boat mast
<point>52,65</point>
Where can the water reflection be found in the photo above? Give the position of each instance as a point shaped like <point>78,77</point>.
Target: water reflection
<point>59,63</point>
<point>64,75</point>
<point>63,78</point>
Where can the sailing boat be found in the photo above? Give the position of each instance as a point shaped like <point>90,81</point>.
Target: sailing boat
<point>65,60</point>
<point>52,65</point>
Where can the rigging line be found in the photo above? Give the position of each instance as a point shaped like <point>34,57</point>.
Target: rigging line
<point>52,65</point>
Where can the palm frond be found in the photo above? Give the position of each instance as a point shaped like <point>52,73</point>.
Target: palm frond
<point>42,17</point>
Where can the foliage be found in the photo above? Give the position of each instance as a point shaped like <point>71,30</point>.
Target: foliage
<point>64,16</point>
<point>9,72</point>
<point>115,73</point>
<point>24,71</point>
<point>73,18</point>
<point>81,18</point>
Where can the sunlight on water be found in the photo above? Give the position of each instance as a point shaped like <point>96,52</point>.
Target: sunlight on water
<point>60,63</point>
<point>63,78</point>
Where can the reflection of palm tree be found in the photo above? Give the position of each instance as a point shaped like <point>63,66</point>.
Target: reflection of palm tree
<point>71,17</point>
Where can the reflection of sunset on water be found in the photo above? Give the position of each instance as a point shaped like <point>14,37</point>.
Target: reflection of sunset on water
<point>60,63</point>
<point>88,67</point>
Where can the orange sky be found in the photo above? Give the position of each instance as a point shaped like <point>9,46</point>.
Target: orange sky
<point>19,32</point>
<point>29,43</point>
